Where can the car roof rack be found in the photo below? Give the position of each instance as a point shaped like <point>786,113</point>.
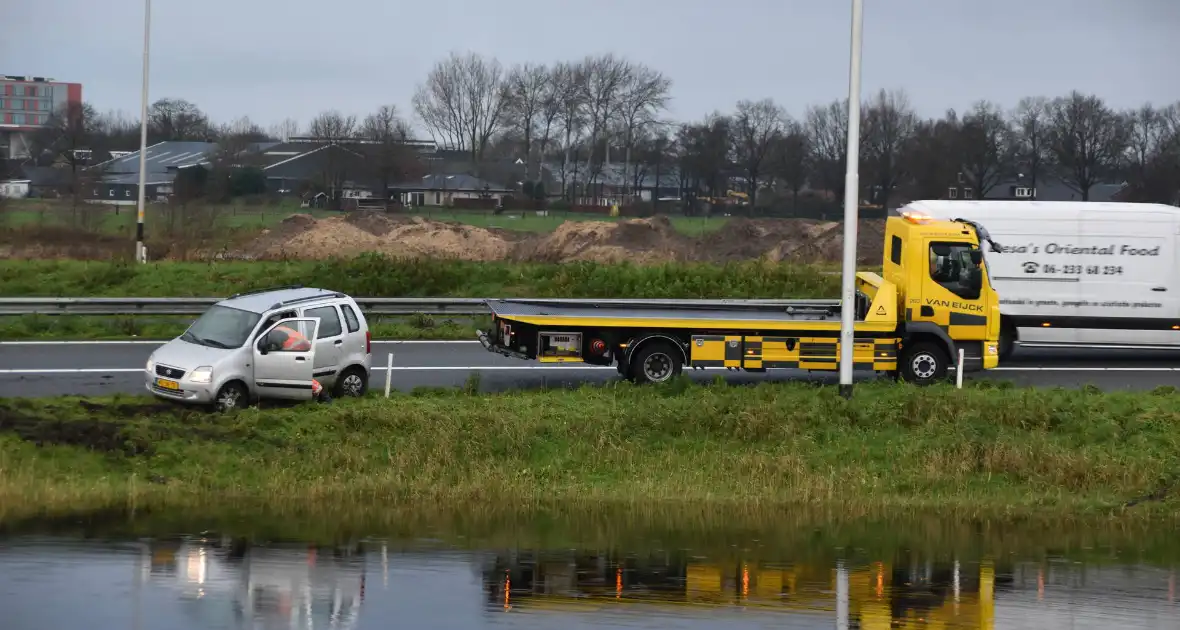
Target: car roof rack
<point>307,298</point>
<point>267,290</point>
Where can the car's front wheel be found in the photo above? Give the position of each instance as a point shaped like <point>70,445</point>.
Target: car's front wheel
<point>231,396</point>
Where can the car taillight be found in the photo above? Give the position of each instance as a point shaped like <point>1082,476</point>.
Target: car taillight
<point>368,342</point>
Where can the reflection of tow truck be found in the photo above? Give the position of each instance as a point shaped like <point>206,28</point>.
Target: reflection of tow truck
<point>887,594</point>
<point>911,322</point>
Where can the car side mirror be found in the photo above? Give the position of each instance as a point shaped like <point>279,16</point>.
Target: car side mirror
<point>976,257</point>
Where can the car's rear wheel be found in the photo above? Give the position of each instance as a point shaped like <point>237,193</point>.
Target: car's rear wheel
<point>354,382</point>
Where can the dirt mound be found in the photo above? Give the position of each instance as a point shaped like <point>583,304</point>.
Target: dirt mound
<point>802,240</point>
<point>650,240</point>
<point>437,239</point>
<point>306,237</point>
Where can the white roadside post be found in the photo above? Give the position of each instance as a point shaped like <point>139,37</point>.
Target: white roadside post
<point>959,371</point>
<point>140,249</point>
<point>388,372</point>
<point>851,201</point>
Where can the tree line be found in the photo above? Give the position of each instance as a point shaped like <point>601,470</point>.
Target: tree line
<point>580,116</point>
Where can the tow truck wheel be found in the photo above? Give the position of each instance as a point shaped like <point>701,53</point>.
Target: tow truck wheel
<point>923,364</point>
<point>656,362</point>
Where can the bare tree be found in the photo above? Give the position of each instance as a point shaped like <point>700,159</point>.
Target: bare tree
<point>985,147</point>
<point>285,130</point>
<point>827,133</point>
<point>1152,160</point>
<point>705,148</point>
<point>792,159</point>
<point>889,125</point>
<point>462,102</point>
<point>644,94</point>
<point>389,157</point>
<point>67,140</point>
<point>932,173</point>
<point>527,86</point>
<point>1087,141</point>
<point>570,94</point>
<point>757,126</point>
<point>333,127</point>
<point>336,131</point>
<point>1030,121</point>
<point>177,119</point>
<point>606,77</point>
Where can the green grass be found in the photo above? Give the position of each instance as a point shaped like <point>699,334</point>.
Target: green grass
<point>984,449</point>
<point>372,275</point>
<point>97,328</point>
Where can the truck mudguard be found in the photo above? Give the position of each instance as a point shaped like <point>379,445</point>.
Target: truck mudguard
<point>934,330</point>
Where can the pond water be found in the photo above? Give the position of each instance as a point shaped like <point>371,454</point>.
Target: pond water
<point>563,575</point>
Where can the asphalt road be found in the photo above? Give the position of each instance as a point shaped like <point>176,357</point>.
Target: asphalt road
<point>29,369</point>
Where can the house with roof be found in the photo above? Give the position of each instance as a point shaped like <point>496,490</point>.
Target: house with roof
<point>1020,188</point>
<point>457,190</point>
<point>116,181</point>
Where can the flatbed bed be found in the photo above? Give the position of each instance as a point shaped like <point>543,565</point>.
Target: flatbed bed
<point>733,315</point>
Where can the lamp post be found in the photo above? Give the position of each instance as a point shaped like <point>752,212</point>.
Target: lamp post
<point>851,201</point>
<point>140,250</point>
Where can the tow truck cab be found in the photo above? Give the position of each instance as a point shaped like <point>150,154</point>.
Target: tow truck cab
<point>932,299</point>
<point>944,293</point>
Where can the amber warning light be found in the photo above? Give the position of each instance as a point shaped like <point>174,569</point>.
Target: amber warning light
<point>915,217</point>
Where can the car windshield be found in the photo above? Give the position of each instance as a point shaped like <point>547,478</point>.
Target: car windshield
<point>222,327</point>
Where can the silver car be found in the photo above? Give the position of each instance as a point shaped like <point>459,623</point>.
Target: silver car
<point>266,344</point>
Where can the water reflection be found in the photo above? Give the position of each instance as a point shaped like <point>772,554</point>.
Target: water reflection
<point>215,582</point>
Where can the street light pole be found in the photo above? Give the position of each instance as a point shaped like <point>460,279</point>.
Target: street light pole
<point>851,202</point>
<point>140,250</point>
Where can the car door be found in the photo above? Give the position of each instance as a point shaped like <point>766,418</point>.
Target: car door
<point>328,343</point>
<point>285,371</point>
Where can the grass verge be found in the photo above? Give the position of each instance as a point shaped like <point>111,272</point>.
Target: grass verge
<point>374,275</point>
<point>97,328</point>
<point>979,450</point>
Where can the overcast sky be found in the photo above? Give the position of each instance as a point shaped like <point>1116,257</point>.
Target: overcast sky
<point>273,59</point>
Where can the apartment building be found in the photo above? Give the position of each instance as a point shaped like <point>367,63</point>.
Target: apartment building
<point>26,103</point>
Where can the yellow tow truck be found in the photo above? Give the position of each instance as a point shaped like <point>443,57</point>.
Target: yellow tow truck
<point>932,299</point>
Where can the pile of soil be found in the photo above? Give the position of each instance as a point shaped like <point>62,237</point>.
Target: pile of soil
<point>796,240</point>
<point>305,237</point>
<point>643,241</point>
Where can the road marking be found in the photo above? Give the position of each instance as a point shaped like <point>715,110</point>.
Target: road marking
<point>1095,346</point>
<point>568,368</point>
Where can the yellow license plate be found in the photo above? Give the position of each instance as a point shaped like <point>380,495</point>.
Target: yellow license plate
<point>166,384</point>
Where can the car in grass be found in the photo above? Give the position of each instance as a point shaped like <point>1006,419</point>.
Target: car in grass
<point>247,348</point>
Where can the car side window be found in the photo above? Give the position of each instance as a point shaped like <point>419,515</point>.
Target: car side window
<point>354,324</point>
<point>329,321</point>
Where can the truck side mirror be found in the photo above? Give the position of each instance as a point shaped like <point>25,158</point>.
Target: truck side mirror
<point>976,257</point>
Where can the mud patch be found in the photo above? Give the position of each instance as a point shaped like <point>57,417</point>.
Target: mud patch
<point>128,429</point>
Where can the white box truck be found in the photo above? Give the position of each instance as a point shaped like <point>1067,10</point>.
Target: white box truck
<point>1080,274</point>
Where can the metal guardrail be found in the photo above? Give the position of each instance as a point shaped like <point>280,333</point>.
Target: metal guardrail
<point>113,306</point>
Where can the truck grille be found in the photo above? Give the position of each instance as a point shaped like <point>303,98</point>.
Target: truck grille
<point>169,372</point>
